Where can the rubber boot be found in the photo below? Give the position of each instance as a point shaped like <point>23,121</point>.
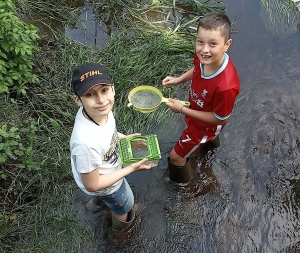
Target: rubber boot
<point>214,143</point>
<point>180,174</point>
<point>93,203</point>
<point>119,225</point>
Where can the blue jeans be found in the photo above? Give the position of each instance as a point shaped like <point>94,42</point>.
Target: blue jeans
<point>121,201</point>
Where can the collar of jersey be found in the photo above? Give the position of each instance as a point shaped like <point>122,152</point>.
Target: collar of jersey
<point>219,70</point>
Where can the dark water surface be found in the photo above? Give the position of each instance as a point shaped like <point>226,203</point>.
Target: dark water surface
<point>244,196</point>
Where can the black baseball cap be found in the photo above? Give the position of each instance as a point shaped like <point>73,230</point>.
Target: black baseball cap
<point>88,75</point>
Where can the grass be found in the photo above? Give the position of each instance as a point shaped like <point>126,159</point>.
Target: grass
<point>38,212</point>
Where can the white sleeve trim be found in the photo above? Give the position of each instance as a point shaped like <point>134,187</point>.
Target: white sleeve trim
<point>221,118</point>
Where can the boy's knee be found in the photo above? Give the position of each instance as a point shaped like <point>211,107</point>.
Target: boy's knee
<point>176,159</point>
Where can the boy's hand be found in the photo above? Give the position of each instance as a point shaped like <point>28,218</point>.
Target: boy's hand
<point>122,136</point>
<point>141,165</point>
<point>174,105</point>
<point>132,135</point>
<point>169,81</point>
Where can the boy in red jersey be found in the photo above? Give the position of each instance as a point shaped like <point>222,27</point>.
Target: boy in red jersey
<point>212,93</point>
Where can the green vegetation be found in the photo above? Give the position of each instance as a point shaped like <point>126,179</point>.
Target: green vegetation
<point>17,45</point>
<point>36,185</point>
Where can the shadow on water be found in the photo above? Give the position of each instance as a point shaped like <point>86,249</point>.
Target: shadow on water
<point>244,196</point>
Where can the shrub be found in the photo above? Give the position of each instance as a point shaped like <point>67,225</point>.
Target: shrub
<point>17,45</point>
<point>16,145</point>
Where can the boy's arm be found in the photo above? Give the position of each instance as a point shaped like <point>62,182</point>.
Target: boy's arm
<point>222,105</point>
<point>122,136</point>
<point>172,81</point>
<point>207,117</point>
<point>186,76</point>
<point>93,181</point>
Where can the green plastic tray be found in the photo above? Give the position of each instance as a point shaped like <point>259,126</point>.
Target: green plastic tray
<point>127,153</point>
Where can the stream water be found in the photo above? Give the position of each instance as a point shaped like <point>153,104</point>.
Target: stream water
<point>244,196</point>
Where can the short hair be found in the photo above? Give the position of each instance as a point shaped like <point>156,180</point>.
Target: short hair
<point>215,21</point>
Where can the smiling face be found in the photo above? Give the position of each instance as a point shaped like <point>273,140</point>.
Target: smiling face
<point>210,47</point>
<point>98,102</point>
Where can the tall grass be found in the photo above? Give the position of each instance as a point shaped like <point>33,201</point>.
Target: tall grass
<point>141,51</point>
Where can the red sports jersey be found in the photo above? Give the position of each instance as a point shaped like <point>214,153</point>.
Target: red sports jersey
<point>214,93</point>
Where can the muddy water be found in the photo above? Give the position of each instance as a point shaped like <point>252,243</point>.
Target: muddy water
<point>244,196</point>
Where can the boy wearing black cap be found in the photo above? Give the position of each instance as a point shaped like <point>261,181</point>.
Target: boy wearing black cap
<point>95,158</point>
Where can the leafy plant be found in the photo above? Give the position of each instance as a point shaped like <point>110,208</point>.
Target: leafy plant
<point>17,45</point>
<point>12,145</point>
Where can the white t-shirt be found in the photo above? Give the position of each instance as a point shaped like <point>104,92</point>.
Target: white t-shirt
<point>93,147</point>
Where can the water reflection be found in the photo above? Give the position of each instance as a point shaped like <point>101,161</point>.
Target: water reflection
<point>281,17</point>
<point>78,20</point>
<point>89,30</point>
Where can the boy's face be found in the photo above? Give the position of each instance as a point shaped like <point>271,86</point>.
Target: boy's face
<point>211,46</point>
<point>98,101</point>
